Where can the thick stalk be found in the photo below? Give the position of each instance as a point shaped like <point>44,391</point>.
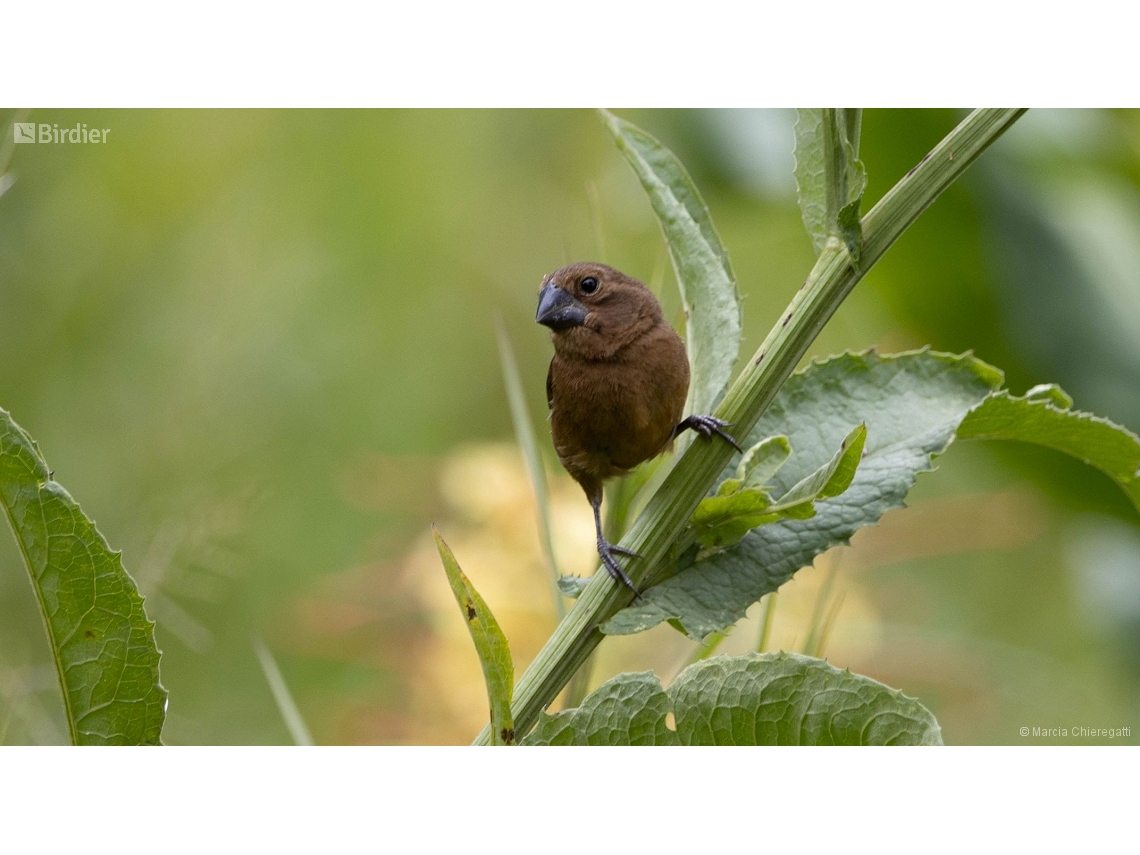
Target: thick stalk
<point>829,283</point>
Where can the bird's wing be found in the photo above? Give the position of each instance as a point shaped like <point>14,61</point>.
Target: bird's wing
<point>550,386</point>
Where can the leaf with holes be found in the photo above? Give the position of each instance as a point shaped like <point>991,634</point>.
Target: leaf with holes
<point>630,709</point>
<point>756,699</point>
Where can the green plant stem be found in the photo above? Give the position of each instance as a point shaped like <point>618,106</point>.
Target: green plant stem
<point>836,158</point>
<point>769,620</point>
<point>708,648</point>
<point>829,283</point>
<point>854,121</point>
<point>579,685</point>
<point>829,624</point>
<point>823,598</point>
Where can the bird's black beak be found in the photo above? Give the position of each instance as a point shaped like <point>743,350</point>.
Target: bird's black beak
<point>558,310</point>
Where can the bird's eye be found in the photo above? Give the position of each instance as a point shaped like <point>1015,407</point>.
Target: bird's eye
<point>588,285</point>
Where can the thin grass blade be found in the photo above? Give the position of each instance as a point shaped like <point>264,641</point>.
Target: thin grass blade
<point>281,694</point>
<point>528,442</point>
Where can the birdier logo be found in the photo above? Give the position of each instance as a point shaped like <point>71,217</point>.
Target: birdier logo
<point>30,132</point>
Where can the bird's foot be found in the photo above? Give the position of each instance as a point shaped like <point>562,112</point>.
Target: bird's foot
<point>621,550</point>
<point>606,552</point>
<point>706,426</point>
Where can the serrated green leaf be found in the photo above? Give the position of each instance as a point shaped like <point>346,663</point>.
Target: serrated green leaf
<point>755,699</point>
<point>811,175</point>
<point>1036,418</point>
<point>789,699</point>
<point>911,405</point>
<point>723,519</point>
<point>704,273</point>
<point>573,586</point>
<point>630,709</point>
<point>833,477</point>
<point>914,405</point>
<point>99,636</point>
<point>490,644</point>
<point>762,461</point>
<point>830,177</point>
<point>1050,392</point>
<point>556,729</point>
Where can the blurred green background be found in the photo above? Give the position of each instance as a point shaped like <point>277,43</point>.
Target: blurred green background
<point>259,348</point>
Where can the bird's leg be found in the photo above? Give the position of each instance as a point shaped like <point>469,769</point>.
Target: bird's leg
<point>706,426</point>
<point>606,549</point>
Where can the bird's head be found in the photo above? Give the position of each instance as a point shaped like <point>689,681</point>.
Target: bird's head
<point>595,310</point>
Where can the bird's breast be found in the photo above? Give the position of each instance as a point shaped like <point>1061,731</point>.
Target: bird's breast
<point>609,416</point>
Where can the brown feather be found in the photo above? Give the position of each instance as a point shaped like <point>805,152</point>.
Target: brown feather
<point>617,384</point>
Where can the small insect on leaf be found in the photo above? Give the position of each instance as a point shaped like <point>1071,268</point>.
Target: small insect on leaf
<point>490,644</point>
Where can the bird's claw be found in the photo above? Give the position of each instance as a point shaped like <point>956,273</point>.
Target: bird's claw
<point>706,426</point>
<point>606,552</point>
<point>621,550</point>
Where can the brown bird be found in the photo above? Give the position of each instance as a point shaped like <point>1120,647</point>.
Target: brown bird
<point>617,383</point>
